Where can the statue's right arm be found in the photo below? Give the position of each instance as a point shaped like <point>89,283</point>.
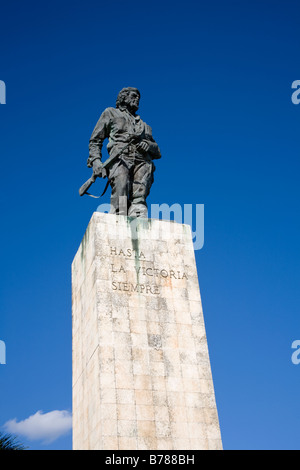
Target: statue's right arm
<point>100,133</point>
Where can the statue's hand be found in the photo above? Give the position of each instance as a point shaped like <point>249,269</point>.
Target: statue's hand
<point>97,167</point>
<point>143,146</point>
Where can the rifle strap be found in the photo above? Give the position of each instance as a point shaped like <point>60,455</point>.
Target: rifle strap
<point>105,189</point>
<point>91,195</point>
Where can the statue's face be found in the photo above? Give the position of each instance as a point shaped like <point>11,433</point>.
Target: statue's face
<point>133,100</point>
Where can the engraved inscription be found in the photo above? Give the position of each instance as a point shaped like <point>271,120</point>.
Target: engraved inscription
<point>149,275</point>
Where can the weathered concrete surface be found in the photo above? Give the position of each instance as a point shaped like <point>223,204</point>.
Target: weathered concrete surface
<point>141,369</point>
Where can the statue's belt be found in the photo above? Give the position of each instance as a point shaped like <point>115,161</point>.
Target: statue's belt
<point>127,159</point>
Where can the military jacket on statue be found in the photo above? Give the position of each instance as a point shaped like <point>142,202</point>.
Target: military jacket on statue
<point>118,125</point>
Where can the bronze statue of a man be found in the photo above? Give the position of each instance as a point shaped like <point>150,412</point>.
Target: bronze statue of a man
<point>130,140</point>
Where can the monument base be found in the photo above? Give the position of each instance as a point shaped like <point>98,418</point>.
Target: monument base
<point>141,369</point>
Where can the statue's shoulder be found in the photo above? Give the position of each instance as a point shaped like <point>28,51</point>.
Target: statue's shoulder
<point>142,122</point>
<point>148,129</point>
<point>110,111</point>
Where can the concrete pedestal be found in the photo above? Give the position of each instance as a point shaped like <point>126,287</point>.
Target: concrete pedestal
<point>141,369</point>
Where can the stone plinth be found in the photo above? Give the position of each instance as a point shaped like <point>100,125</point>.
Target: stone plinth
<point>141,369</point>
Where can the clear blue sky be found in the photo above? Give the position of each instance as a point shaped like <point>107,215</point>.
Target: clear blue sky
<point>215,79</point>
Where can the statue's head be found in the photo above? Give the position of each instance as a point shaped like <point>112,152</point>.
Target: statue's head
<point>129,97</point>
